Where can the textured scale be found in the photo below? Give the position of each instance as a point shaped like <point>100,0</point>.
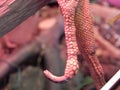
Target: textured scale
<point>68,11</point>
<point>86,41</point>
<point>78,27</point>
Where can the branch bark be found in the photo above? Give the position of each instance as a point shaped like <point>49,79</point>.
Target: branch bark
<point>14,12</point>
<point>15,60</point>
<point>42,43</point>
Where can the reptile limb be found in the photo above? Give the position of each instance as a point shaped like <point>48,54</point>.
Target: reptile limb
<point>78,26</point>
<point>67,8</point>
<point>86,41</point>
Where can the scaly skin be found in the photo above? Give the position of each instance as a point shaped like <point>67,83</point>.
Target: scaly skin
<point>78,26</point>
<point>86,41</point>
<point>68,11</point>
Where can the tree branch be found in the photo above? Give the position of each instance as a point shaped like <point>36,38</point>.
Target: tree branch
<point>17,12</point>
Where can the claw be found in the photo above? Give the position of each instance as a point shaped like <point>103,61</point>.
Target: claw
<point>70,71</point>
<point>54,78</point>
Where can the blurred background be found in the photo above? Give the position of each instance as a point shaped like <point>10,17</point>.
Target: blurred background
<point>39,43</point>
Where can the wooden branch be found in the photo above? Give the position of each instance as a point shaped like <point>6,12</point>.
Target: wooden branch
<point>14,12</point>
<point>40,43</point>
<point>15,60</point>
<point>53,61</point>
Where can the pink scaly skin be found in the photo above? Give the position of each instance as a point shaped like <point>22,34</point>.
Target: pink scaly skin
<point>68,11</point>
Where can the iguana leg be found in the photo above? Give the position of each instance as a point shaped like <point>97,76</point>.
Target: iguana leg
<point>68,11</point>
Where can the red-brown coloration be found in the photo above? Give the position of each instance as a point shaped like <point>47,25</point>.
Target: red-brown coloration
<point>86,41</point>
<point>68,11</point>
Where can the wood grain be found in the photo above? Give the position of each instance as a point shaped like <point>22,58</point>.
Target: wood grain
<point>17,12</point>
